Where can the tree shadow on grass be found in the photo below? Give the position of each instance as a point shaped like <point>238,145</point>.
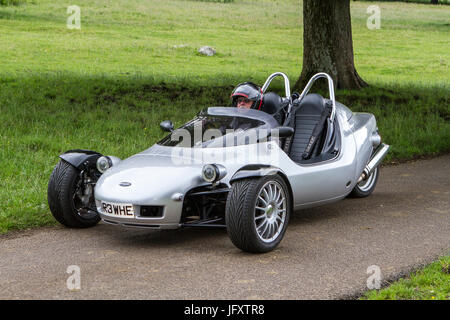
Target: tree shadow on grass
<point>413,119</point>
<point>46,114</point>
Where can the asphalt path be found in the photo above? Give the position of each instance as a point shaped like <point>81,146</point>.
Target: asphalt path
<point>327,253</point>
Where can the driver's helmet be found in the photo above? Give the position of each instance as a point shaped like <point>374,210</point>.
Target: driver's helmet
<point>250,91</point>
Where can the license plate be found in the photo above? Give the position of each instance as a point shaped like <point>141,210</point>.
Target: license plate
<point>120,210</point>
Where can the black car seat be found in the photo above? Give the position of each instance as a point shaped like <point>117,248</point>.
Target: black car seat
<point>273,104</point>
<point>304,119</point>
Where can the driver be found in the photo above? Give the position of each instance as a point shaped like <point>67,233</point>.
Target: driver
<point>247,95</point>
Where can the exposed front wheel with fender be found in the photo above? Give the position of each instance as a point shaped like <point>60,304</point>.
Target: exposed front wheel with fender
<point>257,213</point>
<point>71,197</point>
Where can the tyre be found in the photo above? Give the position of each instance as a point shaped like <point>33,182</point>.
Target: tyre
<point>70,198</point>
<point>257,213</point>
<point>366,187</point>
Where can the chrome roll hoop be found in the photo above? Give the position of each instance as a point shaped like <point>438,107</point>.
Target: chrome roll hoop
<point>287,89</point>
<point>330,88</point>
<point>287,86</point>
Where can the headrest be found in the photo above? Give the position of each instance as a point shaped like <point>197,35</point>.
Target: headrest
<point>271,102</point>
<point>312,103</point>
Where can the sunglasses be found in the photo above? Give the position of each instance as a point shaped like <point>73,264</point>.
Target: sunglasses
<point>242,99</point>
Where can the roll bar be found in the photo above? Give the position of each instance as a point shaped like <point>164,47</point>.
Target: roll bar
<point>287,89</point>
<point>287,86</point>
<point>330,88</point>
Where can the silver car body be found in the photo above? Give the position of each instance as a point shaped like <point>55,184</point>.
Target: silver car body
<point>163,175</point>
<point>157,176</point>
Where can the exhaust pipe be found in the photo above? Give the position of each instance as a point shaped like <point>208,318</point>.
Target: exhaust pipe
<point>375,161</point>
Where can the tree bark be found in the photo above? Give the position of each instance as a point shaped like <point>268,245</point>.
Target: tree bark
<point>327,43</point>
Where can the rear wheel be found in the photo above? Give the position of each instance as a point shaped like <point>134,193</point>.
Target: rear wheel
<point>70,197</point>
<point>257,213</point>
<point>366,187</point>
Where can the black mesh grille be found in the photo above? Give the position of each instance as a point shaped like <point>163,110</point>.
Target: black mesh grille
<point>152,211</point>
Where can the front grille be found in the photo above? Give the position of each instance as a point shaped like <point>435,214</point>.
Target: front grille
<point>152,211</point>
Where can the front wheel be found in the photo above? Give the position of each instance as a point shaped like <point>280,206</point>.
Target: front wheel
<point>70,197</point>
<point>257,213</point>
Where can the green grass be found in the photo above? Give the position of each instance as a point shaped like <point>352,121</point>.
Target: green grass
<point>412,1</point>
<point>430,283</point>
<point>252,39</point>
<point>107,86</point>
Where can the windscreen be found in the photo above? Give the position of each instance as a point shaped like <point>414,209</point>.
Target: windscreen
<point>211,131</point>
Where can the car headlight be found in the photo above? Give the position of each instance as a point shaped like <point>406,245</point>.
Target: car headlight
<point>104,163</point>
<point>213,172</point>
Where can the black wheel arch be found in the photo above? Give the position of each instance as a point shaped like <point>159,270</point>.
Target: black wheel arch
<point>81,159</point>
<point>261,170</point>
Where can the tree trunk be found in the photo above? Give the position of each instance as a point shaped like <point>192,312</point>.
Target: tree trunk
<point>327,43</point>
<point>434,1</point>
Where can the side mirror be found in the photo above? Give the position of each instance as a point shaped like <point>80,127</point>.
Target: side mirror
<point>166,125</point>
<point>285,132</point>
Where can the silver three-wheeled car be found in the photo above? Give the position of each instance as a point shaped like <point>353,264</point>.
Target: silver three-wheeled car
<point>244,169</point>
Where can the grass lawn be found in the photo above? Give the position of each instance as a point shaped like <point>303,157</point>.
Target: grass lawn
<point>252,38</point>
<point>430,283</point>
<point>134,63</point>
